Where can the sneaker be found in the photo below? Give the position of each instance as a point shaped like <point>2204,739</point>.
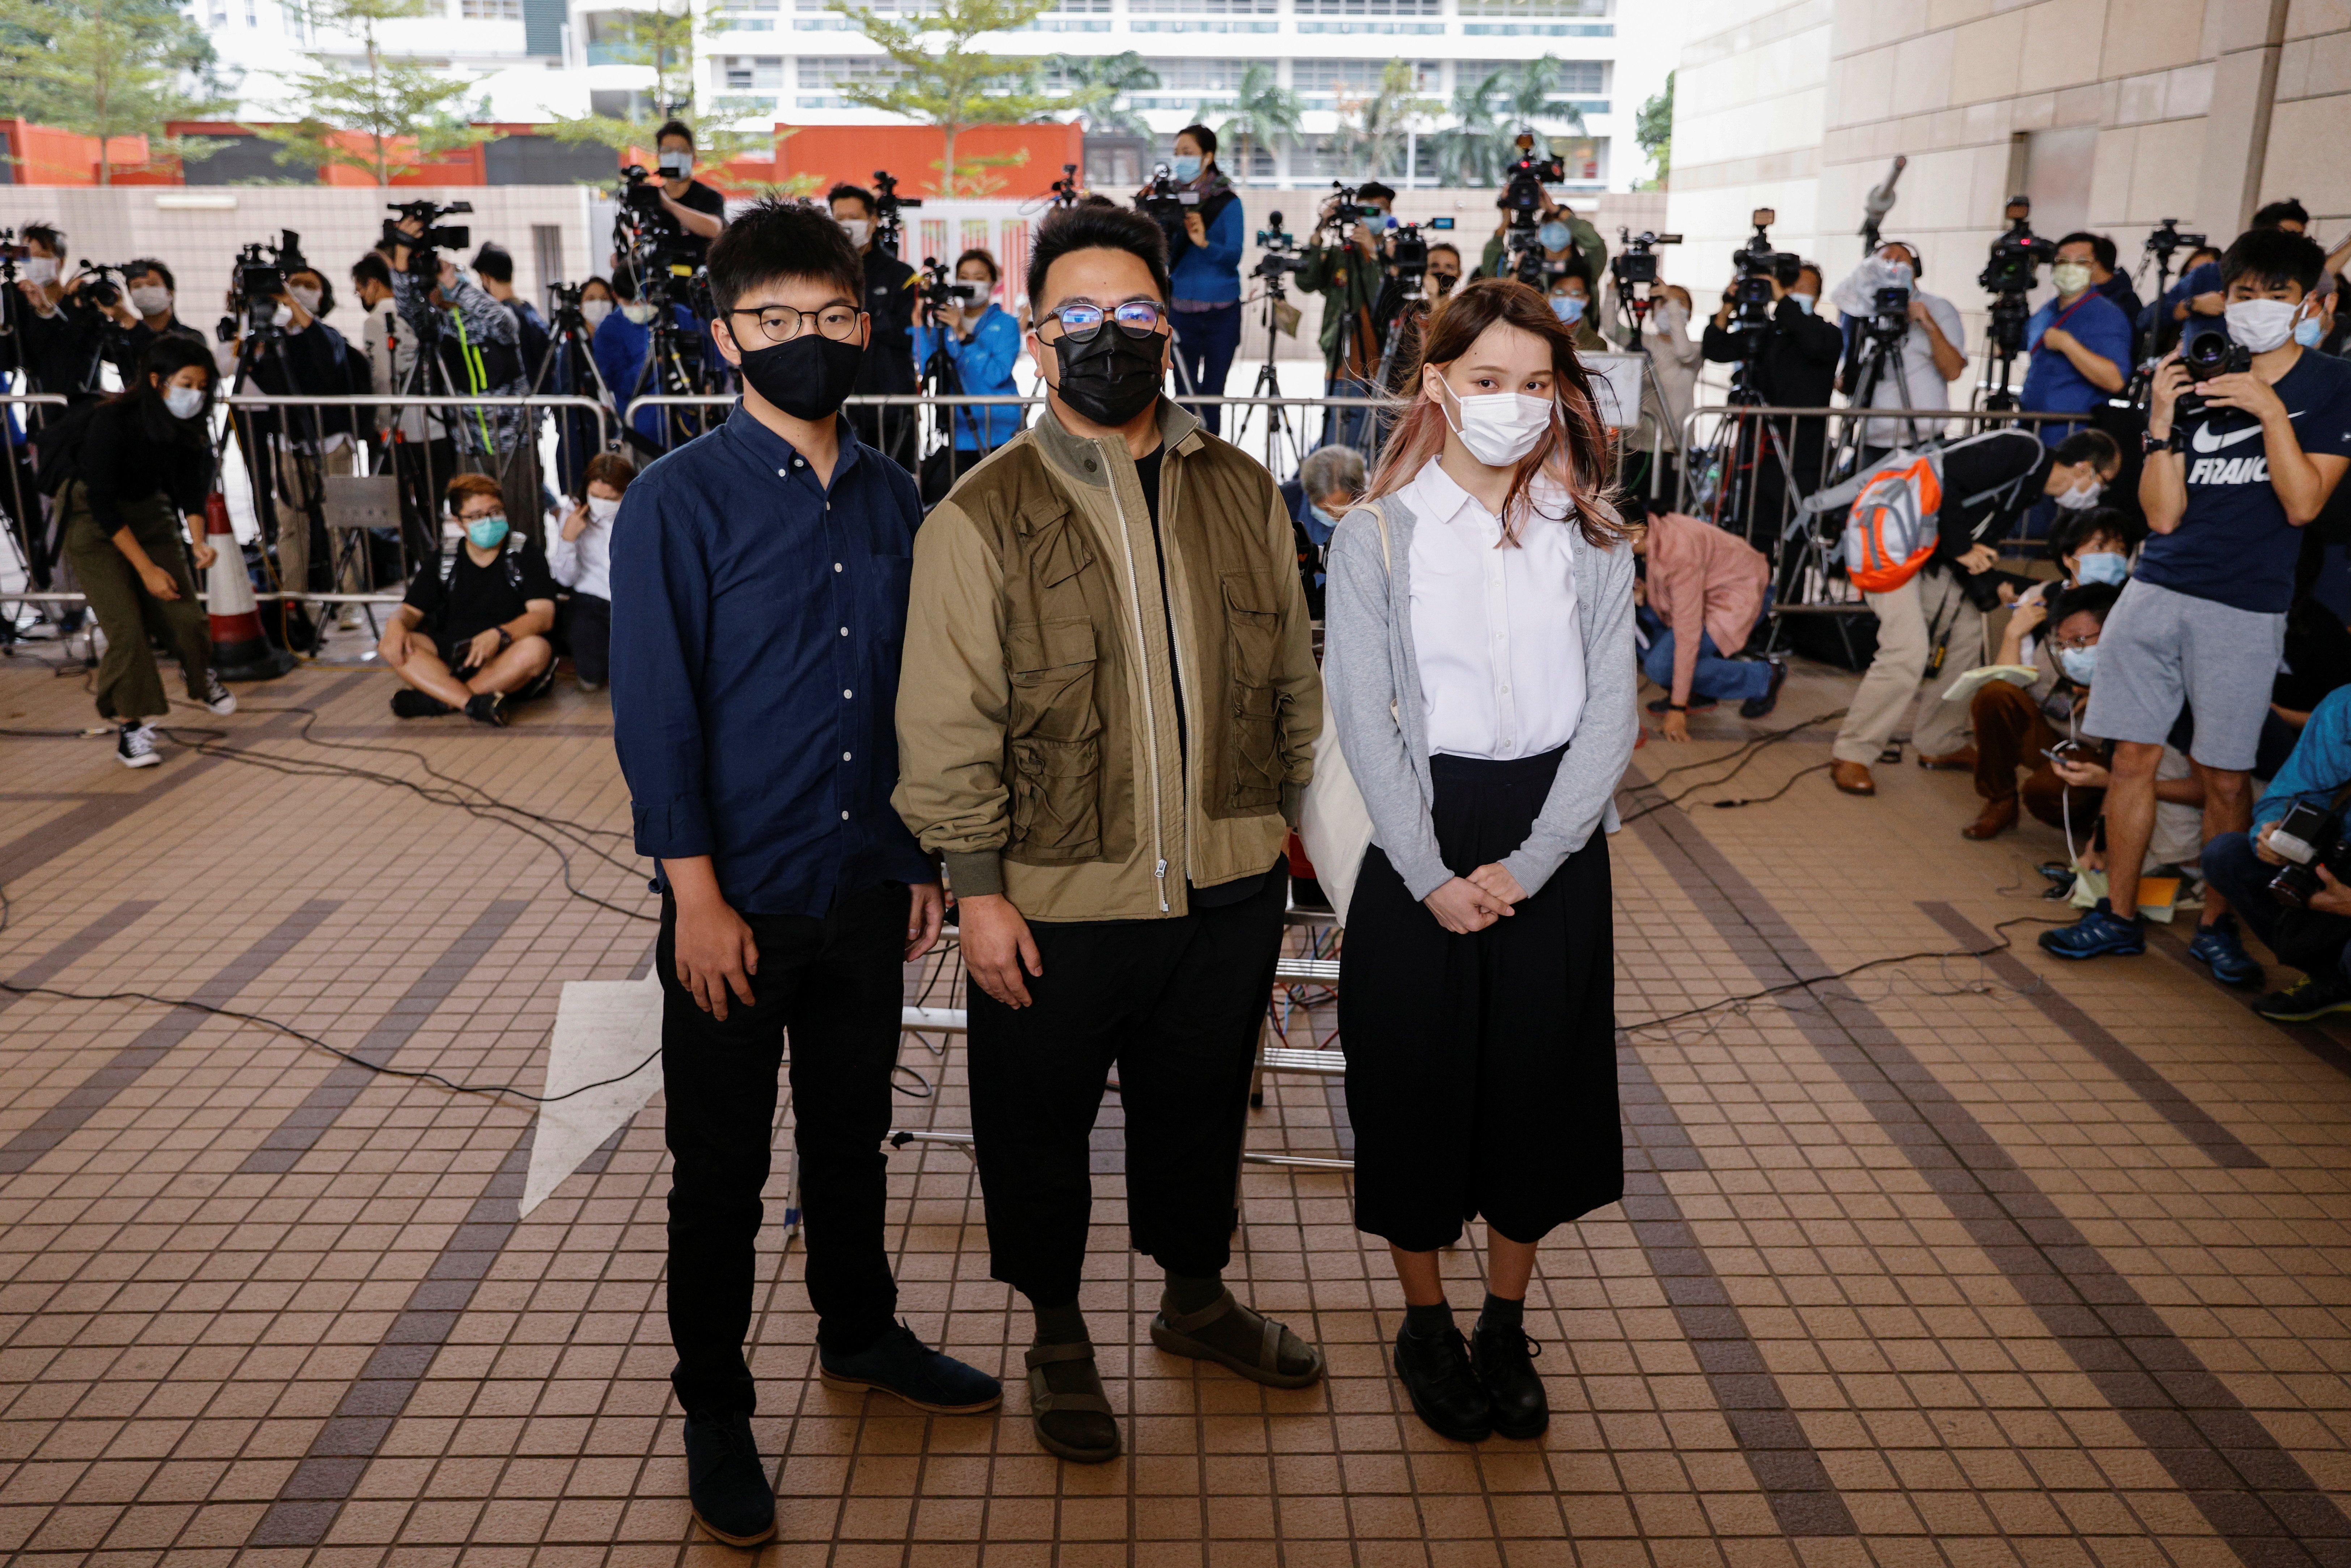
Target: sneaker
<point>591,687</point>
<point>1760,708</point>
<point>724,1481</point>
<point>901,1364</point>
<point>1503,1359</point>
<point>1443,1386</point>
<point>2099,932</point>
<point>2311,997</point>
<point>487,707</point>
<point>1696,703</point>
<point>134,745</point>
<point>217,697</point>
<point>2219,947</point>
<point>410,702</point>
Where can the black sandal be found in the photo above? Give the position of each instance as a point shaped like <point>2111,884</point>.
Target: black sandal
<point>1174,1335</point>
<point>1044,1401</point>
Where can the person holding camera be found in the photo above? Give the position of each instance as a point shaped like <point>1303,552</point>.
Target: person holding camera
<point>1204,259</point>
<point>698,211</point>
<point>892,292</point>
<point>979,343</point>
<point>623,350</point>
<point>1348,269</point>
<point>471,637</point>
<point>580,557</point>
<point>2079,340</point>
<point>139,464</point>
<point>423,455</point>
<point>480,353</point>
<point>1563,236</point>
<point>2237,462</point>
<point>494,264</point>
<point>2307,920</point>
<point>1794,366</point>
<point>1933,349</point>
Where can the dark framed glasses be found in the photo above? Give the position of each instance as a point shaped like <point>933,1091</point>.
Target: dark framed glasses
<point>781,323</point>
<point>1079,322</point>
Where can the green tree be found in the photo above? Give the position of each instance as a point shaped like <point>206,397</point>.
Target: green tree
<point>1113,77</point>
<point>942,79</point>
<point>1371,130</point>
<point>110,68</point>
<point>1264,114</point>
<point>663,41</point>
<point>382,113</point>
<point>1532,95</point>
<point>1653,128</point>
<point>1471,149</point>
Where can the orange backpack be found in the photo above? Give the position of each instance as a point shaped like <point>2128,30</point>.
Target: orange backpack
<point>1891,529</point>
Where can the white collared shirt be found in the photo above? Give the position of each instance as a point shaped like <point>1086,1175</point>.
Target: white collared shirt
<point>584,565</point>
<point>1502,658</point>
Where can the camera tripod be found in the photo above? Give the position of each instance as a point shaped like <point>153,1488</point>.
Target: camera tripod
<point>261,341</point>
<point>569,343</point>
<point>2004,341</point>
<point>1634,312</point>
<point>1885,352</point>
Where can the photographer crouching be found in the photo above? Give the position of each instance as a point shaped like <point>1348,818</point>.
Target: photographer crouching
<point>2281,876</point>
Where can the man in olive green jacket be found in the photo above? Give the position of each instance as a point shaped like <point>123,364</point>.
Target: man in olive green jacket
<point>1106,712</point>
<point>1349,276</point>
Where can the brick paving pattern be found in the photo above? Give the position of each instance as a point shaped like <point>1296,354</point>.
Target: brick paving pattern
<point>1953,1262</point>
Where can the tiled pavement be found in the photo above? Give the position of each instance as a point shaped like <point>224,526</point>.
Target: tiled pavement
<point>1953,1261</point>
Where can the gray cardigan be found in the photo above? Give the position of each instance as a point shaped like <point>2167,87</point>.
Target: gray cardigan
<point>1374,697</point>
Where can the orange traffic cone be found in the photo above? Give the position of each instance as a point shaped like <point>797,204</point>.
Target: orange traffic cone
<point>240,652</point>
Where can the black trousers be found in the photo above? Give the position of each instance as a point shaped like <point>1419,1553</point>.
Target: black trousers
<point>1176,1005</point>
<point>836,983</point>
<point>588,631</point>
<point>1481,1069</point>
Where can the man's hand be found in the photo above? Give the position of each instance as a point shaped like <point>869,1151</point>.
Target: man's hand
<point>1917,312</point>
<point>2172,379</point>
<point>448,278</point>
<point>2059,339</point>
<point>2083,775</point>
<point>2026,616</point>
<point>1980,558</point>
<point>997,947</point>
<point>2332,897</point>
<point>2212,303</point>
<point>1676,724</point>
<point>1461,907</point>
<point>1493,879</point>
<point>716,954</point>
<point>159,583</point>
<point>1195,230</point>
<point>393,646</point>
<point>926,912</point>
<point>2261,846</point>
<point>2243,390</point>
<point>482,649</point>
<point>204,556</point>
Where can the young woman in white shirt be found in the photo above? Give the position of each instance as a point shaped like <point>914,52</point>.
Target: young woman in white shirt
<point>579,557</point>
<point>1481,678</point>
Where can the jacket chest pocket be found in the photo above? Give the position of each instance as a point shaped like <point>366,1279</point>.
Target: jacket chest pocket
<point>1054,731</point>
<point>1252,649</point>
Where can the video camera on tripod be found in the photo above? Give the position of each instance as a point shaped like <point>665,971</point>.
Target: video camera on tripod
<point>2166,240</point>
<point>1634,266</point>
<point>1066,190</point>
<point>2008,275</point>
<point>1759,268</point>
<point>104,284</point>
<point>1165,203</point>
<point>1280,247</point>
<point>423,248</point>
<point>255,284</point>
<point>888,227</point>
<point>1524,199</point>
<point>1408,252</point>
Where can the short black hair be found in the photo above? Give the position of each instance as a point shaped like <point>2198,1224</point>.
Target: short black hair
<point>623,284</point>
<point>1205,137</point>
<point>142,265</point>
<point>2102,249</point>
<point>2072,531</point>
<point>2271,256</point>
<point>373,267</point>
<point>1372,190</point>
<point>1446,244</point>
<point>1917,262</point>
<point>1095,229</point>
<point>596,280</point>
<point>774,238</point>
<point>845,192</point>
<point>2094,447</point>
<point>46,235</point>
<point>1095,199</point>
<point>2097,599</point>
<point>2286,211</point>
<point>981,254</point>
<point>674,127</point>
<point>494,261</point>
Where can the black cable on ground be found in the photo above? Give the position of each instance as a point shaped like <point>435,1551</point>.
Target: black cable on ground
<point>1738,758</point>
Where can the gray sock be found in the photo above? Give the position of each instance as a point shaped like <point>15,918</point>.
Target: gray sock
<point>1064,1324</point>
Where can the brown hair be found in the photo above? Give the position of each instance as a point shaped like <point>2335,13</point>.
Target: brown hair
<point>465,485</point>
<point>1575,451</point>
<point>610,469</point>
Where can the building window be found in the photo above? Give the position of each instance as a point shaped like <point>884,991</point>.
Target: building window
<point>490,10</point>
<point>1185,84</point>
<point>1352,78</point>
<point>1574,78</point>
<point>1523,10</point>
<point>1202,16</point>
<point>1368,7</point>
<point>818,74</point>
<point>748,73</point>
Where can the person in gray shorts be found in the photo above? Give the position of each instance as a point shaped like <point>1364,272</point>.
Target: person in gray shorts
<point>2231,480</point>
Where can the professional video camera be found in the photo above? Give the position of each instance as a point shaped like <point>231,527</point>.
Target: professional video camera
<point>1408,250</point>
<point>641,190</point>
<point>1165,203</point>
<point>888,227</point>
<point>103,285</point>
<point>424,257</point>
<point>1524,179</point>
<point>2166,239</point>
<point>1068,190</point>
<point>1280,247</point>
<point>2016,253</point>
<point>255,284</point>
<point>2309,836</point>
<point>2208,351</point>
<point>1636,262</point>
<point>1753,296</point>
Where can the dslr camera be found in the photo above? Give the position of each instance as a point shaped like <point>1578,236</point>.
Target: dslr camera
<point>2208,351</point>
<point>423,260</point>
<point>2308,837</point>
<point>888,227</point>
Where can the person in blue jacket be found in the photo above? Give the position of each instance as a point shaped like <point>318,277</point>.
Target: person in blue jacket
<point>979,343</point>
<point>1204,265</point>
<point>2316,937</point>
<point>623,349</point>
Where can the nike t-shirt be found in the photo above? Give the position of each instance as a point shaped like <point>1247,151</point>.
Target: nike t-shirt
<point>2234,545</point>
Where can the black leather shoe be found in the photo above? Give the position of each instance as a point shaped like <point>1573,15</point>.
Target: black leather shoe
<point>1444,1390</point>
<point>901,1364</point>
<point>1504,1360</point>
<point>726,1482</point>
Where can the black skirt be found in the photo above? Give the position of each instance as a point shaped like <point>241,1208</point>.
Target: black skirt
<point>1481,1069</point>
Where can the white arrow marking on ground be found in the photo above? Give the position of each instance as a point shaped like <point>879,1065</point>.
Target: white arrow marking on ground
<point>602,1029</point>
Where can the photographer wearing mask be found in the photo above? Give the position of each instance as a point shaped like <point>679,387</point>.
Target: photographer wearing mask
<point>471,637</point>
<point>1203,263</point>
<point>1674,359</point>
<point>892,292</point>
<point>580,557</point>
<point>140,465</point>
<point>696,209</point>
<point>982,343</point>
<point>2231,478</point>
<point>480,350</point>
<point>146,311</point>
<point>495,266</point>
<point>1571,301</point>
<point>1794,367</point>
<point>1934,350</point>
<point>1990,481</point>
<point>420,459</point>
<point>1564,238</point>
<point>1330,480</point>
<point>1444,275</point>
<point>623,349</point>
<point>2315,937</point>
<point>1349,274</point>
<point>759,604</point>
<point>314,359</point>
<point>2079,341</point>
<point>1105,727</point>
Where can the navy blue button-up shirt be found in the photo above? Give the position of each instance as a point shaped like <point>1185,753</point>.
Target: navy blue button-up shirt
<point>757,620</point>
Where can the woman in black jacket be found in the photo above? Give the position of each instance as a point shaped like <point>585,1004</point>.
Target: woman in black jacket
<point>144,462</point>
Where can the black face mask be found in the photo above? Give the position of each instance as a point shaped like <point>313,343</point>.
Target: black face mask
<point>1112,377</point>
<point>807,377</point>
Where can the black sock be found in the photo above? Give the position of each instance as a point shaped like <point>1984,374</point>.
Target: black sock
<point>1064,1324</point>
<point>1186,1294</point>
<point>1501,1313</point>
<point>1428,1323</point>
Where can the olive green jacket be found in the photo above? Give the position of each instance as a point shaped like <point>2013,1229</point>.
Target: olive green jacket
<point>1587,240</point>
<point>1348,281</point>
<point>1038,752</point>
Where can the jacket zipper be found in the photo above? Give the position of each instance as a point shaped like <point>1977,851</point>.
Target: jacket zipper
<point>1150,714</point>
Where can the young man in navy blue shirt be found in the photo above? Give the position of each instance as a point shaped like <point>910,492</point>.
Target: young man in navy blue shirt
<point>759,579</point>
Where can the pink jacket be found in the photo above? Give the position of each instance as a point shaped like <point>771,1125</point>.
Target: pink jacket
<point>1702,577</point>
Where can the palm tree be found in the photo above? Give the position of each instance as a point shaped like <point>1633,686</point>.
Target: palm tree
<point>1117,75</point>
<point>1372,130</point>
<point>1529,98</point>
<point>1264,114</point>
<point>1470,149</point>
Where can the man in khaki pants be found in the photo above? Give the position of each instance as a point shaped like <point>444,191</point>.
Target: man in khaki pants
<point>1990,480</point>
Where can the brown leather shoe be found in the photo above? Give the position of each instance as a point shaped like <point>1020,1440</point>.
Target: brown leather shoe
<point>1997,818</point>
<point>1963,761</point>
<point>1852,777</point>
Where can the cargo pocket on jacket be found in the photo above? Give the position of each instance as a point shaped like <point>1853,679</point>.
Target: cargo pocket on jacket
<point>1253,644</point>
<point>1055,778</point>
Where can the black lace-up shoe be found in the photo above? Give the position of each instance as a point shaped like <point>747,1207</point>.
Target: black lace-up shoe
<point>1503,1359</point>
<point>1444,1390</point>
<point>726,1482</point>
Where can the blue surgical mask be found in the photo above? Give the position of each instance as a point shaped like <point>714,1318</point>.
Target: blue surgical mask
<point>486,533</point>
<point>1322,520</point>
<point>2101,566</point>
<point>1554,235</point>
<point>1185,170</point>
<point>2308,330</point>
<point>2079,663</point>
<point>1804,302</point>
<point>1568,307</point>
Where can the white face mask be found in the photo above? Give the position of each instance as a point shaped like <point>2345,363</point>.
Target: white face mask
<point>185,402</point>
<point>151,300</point>
<point>2071,278</point>
<point>1498,428</point>
<point>305,297</point>
<point>858,230</point>
<point>601,510</point>
<point>2261,325</point>
<point>593,312</point>
<point>2081,496</point>
<point>41,268</point>
<point>637,310</point>
<point>677,165</point>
